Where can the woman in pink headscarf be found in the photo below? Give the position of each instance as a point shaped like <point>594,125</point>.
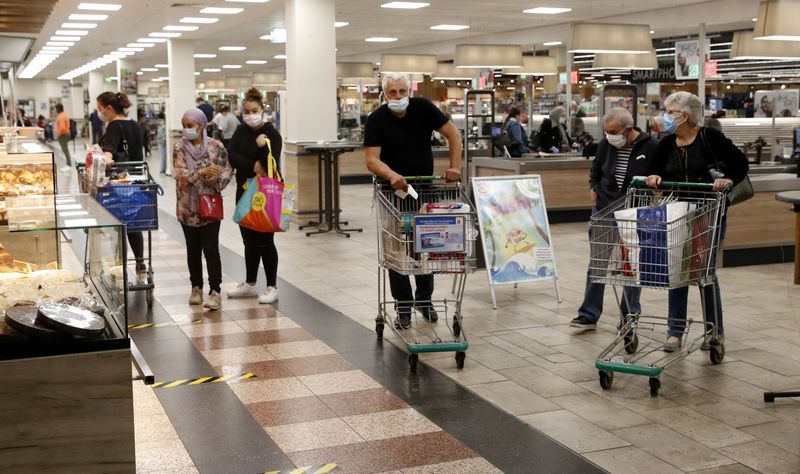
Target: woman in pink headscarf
<point>201,167</point>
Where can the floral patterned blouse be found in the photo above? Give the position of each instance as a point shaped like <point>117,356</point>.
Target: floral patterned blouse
<point>190,184</point>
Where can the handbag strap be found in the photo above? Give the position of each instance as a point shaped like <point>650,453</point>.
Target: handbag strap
<point>708,149</point>
<point>272,164</point>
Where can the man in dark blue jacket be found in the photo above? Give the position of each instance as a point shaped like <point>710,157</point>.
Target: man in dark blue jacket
<point>623,153</point>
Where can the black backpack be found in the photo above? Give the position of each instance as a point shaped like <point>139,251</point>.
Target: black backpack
<point>73,129</point>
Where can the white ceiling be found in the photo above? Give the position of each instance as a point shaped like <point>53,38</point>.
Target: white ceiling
<point>499,21</point>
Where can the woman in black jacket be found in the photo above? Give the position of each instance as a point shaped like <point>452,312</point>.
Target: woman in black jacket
<point>690,154</point>
<point>247,152</point>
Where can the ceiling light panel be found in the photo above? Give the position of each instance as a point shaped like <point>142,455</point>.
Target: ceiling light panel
<point>266,37</point>
<point>152,40</point>
<point>60,43</point>
<point>162,66</point>
<point>380,39</point>
<point>79,25</point>
<point>405,5</point>
<point>221,11</point>
<point>256,61</point>
<point>150,69</point>
<point>72,32</point>
<point>280,56</point>
<point>231,66</point>
<point>198,20</point>
<point>105,7</point>
<point>449,27</point>
<point>141,45</point>
<point>87,17</point>
<point>205,56</point>
<point>247,1</point>
<point>211,69</point>
<point>180,28</point>
<point>164,34</point>
<point>547,10</point>
<point>552,43</point>
<point>232,48</point>
<point>340,24</point>
<point>65,38</point>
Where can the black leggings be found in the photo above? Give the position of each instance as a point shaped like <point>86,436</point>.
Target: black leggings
<point>203,240</point>
<point>260,247</point>
<point>136,241</point>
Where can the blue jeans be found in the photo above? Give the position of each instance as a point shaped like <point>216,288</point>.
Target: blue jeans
<point>163,148</point>
<point>592,306</point>
<point>712,311</point>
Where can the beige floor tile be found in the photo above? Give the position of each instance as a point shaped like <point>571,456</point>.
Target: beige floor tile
<point>267,324</point>
<point>237,355</point>
<point>390,424</point>
<point>780,433</point>
<point>547,336</point>
<point>729,469</point>
<point>631,392</point>
<point>513,398</point>
<point>541,381</point>
<point>603,413</point>
<point>270,389</point>
<point>472,373</point>
<point>769,361</point>
<point>471,466</point>
<point>527,344</point>
<point>764,457</point>
<point>630,460</point>
<point>496,358</point>
<point>699,427</point>
<point>338,382</point>
<point>732,388</point>
<point>672,447</point>
<point>290,350</point>
<point>312,435</point>
<point>211,329</point>
<point>163,456</point>
<point>573,431</point>
<point>734,414</point>
<point>783,409</point>
<point>757,376</point>
<point>559,358</point>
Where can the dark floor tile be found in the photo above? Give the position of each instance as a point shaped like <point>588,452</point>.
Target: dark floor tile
<point>351,343</point>
<point>284,412</point>
<point>317,364</point>
<point>363,401</point>
<point>265,311</point>
<point>175,299</point>
<point>270,369</point>
<point>359,458</point>
<point>339,330</point>
<point>207,317</point>
<point>257,338</point>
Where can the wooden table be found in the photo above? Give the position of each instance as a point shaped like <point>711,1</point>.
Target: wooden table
<point>793,197</point>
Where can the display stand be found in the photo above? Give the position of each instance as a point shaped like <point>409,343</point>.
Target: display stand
<point>473,110</point>
<point>515,231</point>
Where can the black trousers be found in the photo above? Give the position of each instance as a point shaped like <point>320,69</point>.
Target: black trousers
<point>136,241</point>
<point>401,289</point>
<point>203,240</point>
<point>260,247</point>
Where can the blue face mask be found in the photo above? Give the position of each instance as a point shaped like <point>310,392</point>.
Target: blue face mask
<point>668,121</point>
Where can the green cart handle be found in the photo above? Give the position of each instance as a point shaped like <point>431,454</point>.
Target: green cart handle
<point>638,182</point>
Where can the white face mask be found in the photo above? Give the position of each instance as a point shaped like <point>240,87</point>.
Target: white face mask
<point>190,133</point>
<point>399,105</point>
<point>253,120</point>
<point>617,141</point>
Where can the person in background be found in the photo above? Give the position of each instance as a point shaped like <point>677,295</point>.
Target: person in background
<point>161,139</point>
<point>201,167</point>
<point>397,143</point>
<point>145,135</point>
<point>26,121</point>
<point>687,155</point>
<point>624,152</point>
<point>552,136</point>
<point>121,142</point>
<point>749,109</point>
<point>713,120</point>
<point>248,153</point>
<point>97,125</point>
<point>63,135</point>
<point>207,109</point>
<point>40,121</point>
<point>226,123</point>
<point>577,110</point>
<point>514,128</point>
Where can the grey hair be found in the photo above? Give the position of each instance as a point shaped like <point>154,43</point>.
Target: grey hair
<point>689,103</point>
<point>620,115</point>
<point>394,76</point>
<point>557,113</point>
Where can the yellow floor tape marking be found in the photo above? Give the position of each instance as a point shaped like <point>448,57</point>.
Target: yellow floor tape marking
<point>247,376</point>
<point>175,383</point>
<point>326,468</point>
<point>157,384</point>
<point>199,381</point>
<point>223,378</point>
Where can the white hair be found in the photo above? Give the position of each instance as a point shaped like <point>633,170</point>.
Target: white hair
<point>394,76</point>
<point>557,113</point>
<point>620,115</point>
<point>689,103</point>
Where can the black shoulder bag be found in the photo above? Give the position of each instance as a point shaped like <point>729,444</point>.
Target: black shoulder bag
<point>738,193</point>
<point>122,156</point>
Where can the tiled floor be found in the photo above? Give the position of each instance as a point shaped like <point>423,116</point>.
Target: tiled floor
<point>523,358</point>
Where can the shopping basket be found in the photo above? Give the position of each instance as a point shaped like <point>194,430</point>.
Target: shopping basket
<point>658,239</point>
<point>432,234</point>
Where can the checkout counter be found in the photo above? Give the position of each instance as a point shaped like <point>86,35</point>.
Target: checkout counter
<point>760,230</point>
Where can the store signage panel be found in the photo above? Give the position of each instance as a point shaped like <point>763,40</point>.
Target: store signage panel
<point>664,73</point>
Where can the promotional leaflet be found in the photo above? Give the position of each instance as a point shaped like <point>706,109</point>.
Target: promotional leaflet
<point>439,234</point>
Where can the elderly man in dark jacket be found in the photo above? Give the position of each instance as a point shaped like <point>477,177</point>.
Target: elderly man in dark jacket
<point>624,152</point>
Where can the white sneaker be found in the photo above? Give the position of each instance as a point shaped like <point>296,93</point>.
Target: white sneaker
<point>243,290</point>
<point>213,302</point>
<point>270,295</point>
<point>65,168</point>
<point>197,296</point>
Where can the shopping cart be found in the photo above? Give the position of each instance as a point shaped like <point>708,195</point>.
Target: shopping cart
<point>133,200</point>
<point>659,239</point>
<point>433,234</point>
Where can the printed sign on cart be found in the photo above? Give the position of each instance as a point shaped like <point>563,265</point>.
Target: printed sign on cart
<point>516,234</point>
<point>439,234</point>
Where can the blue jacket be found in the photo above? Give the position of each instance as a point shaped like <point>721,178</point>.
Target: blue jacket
<point>514,129</point>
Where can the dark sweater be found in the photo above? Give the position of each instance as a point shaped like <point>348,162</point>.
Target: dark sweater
<point>601,176</point>
<point>243,152</point>
<point>717,145</point>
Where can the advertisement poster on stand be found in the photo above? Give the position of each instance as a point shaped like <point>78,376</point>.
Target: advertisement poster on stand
<point>129,83</point>
<point>516,234</point>
<point>783,103</point>
<point>687,59</point>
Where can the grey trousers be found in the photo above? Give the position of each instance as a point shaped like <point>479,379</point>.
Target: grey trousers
<point>63,140</point>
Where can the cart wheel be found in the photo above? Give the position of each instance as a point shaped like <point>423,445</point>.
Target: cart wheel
<point>412,361</point>
<point>379,330</point>
<point>716,353</point>
<point>606,379</point>
<point>655,384</point>
<point>148,296</point>
<point>456,328</point>
<point>631,343</point>
<point>460,356</point>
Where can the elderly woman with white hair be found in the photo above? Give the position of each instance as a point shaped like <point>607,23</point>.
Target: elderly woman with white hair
<point>552,134</point>
<point>693,153</point>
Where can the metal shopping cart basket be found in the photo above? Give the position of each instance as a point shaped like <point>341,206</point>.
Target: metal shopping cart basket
<point>432,234</point>
<point>133,200</point>
<point>656,239</point>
